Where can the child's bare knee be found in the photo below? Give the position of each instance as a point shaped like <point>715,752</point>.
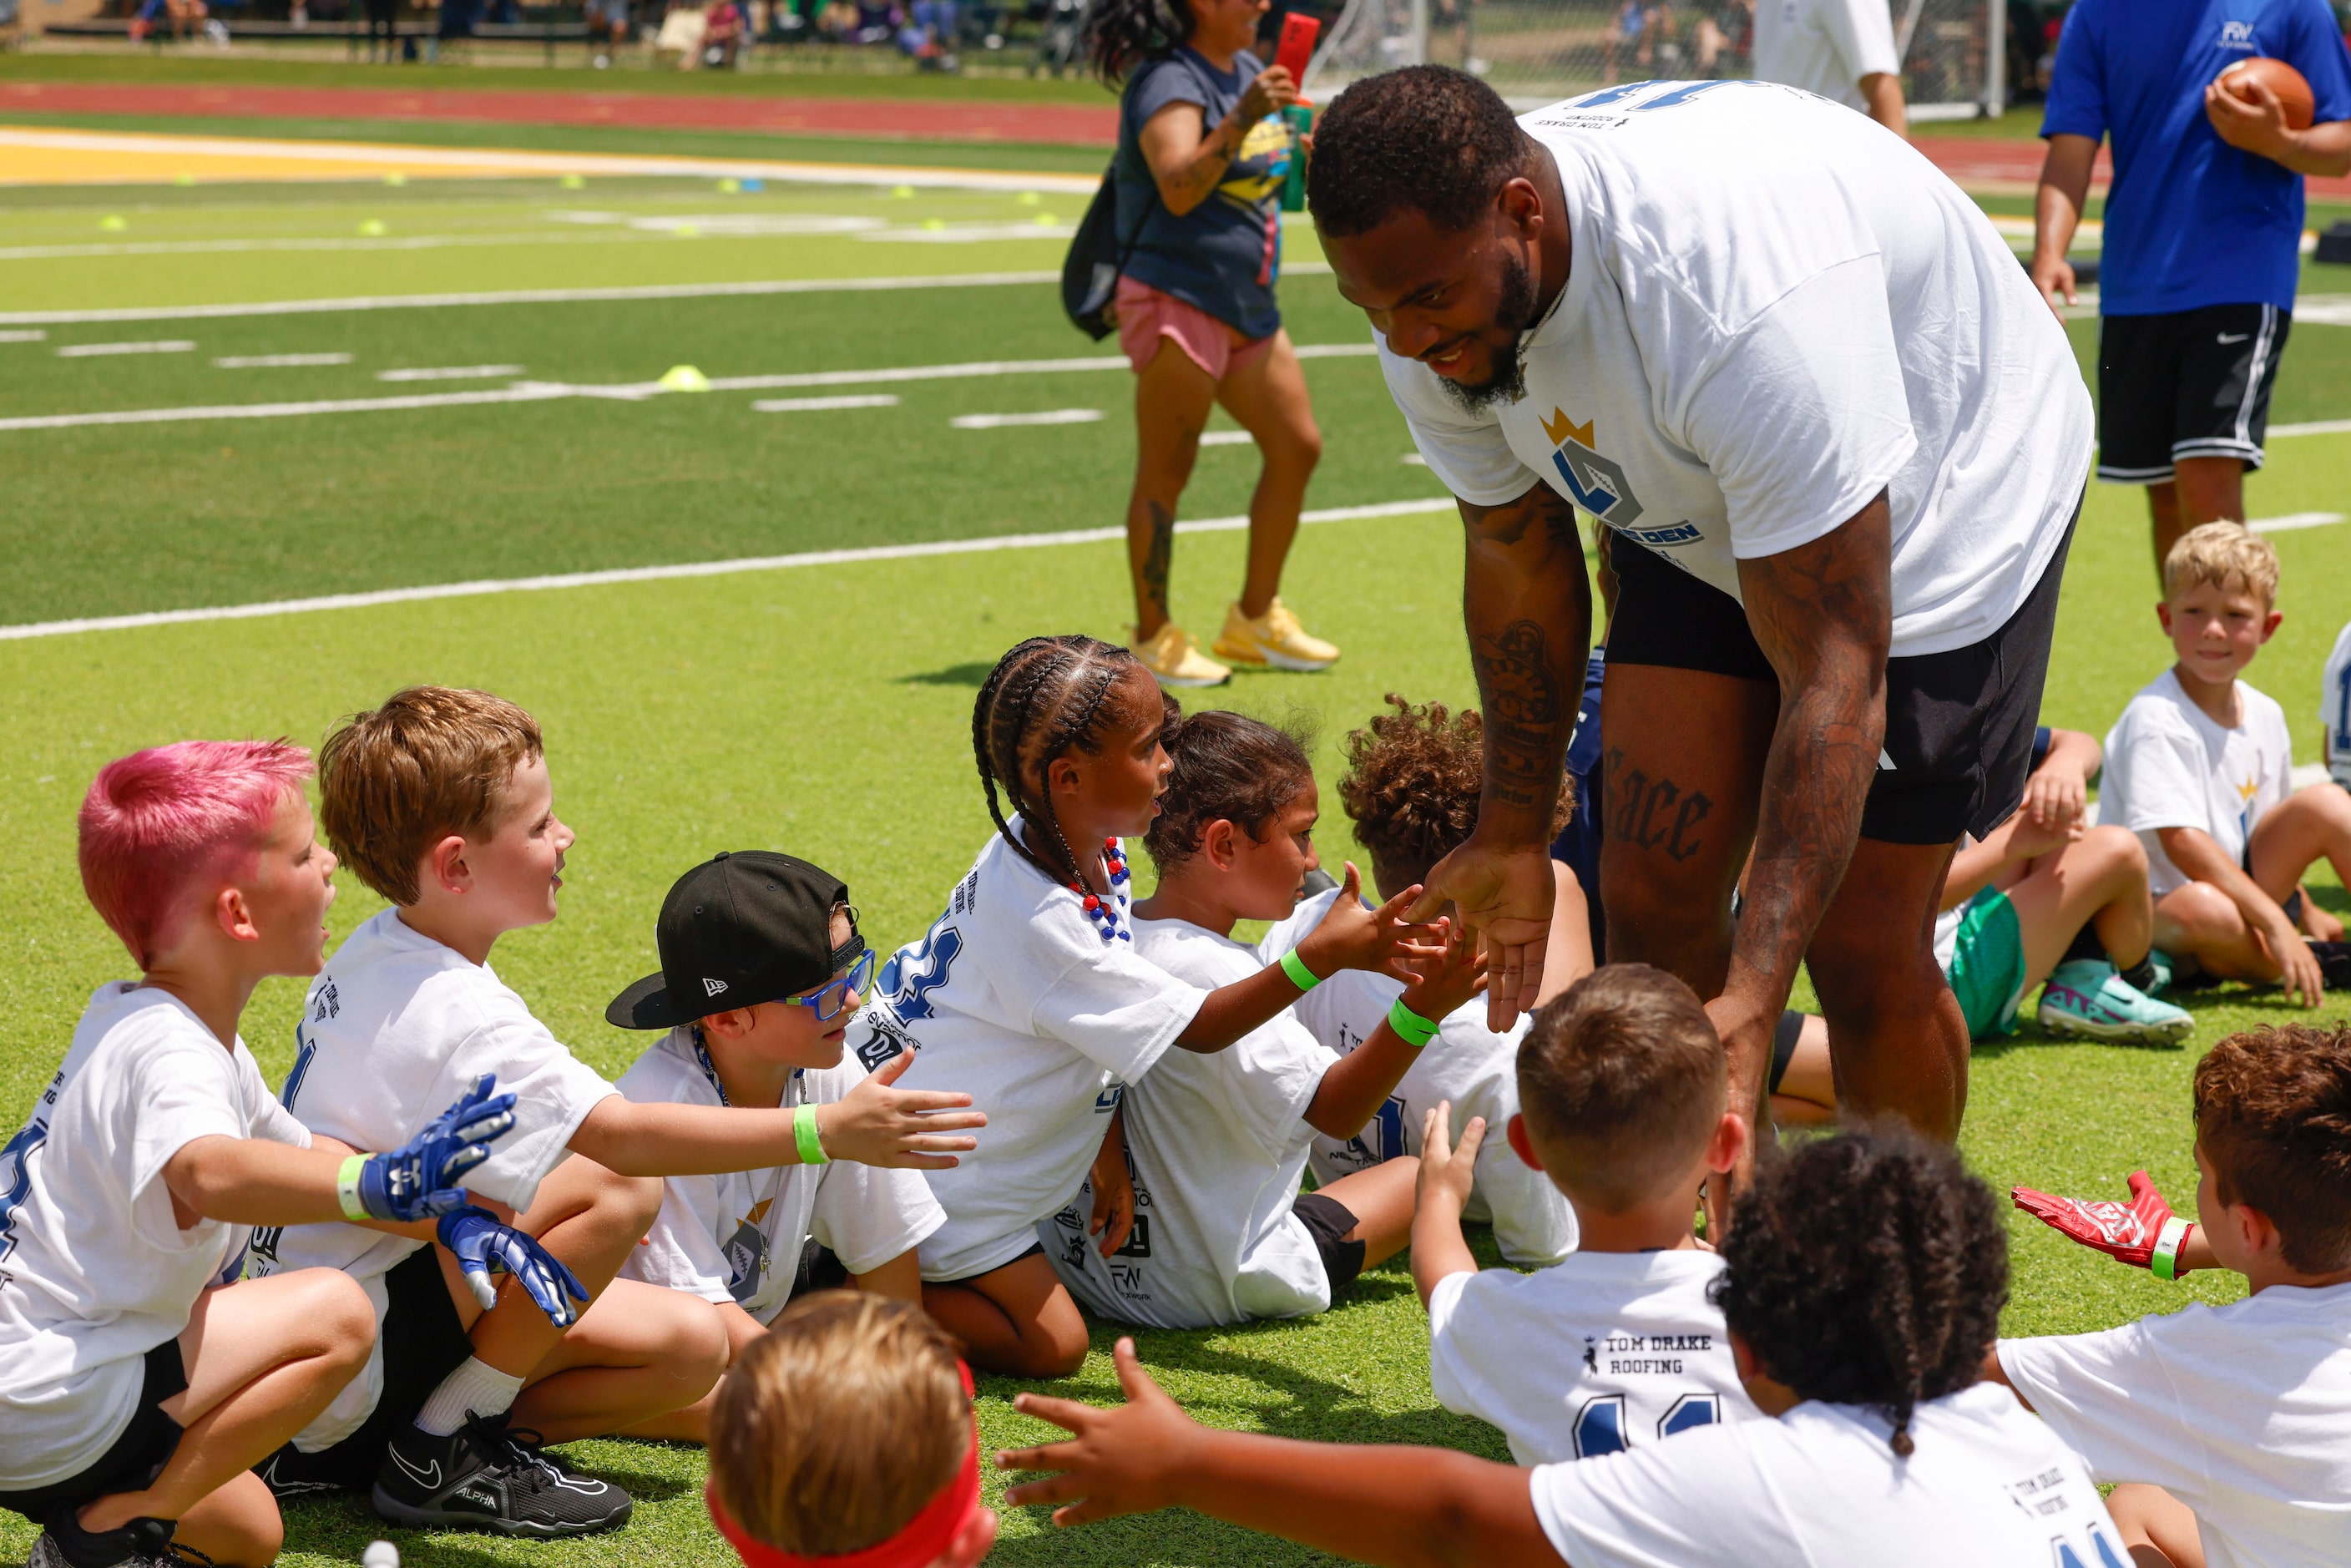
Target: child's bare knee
<point>2203,911</point>
<point>342,1316</point>
<point>2116,846</point>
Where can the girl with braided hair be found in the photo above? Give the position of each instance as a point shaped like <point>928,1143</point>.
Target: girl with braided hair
<point>1027,990</point>
<point>1862,1289</point>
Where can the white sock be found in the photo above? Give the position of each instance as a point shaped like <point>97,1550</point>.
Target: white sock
<point>476,1386</point>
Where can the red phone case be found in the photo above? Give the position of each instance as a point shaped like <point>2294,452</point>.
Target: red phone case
<point>1297,44</point>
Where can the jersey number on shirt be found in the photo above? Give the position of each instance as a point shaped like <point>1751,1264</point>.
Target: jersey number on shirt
<point>17,1179</point>
<point>1600,1425</point>
<point>264,1244</point>
<point>2342,746</point>
<point>907,981</point>
<point>1381,1138</point>
<point>2062,1555</point>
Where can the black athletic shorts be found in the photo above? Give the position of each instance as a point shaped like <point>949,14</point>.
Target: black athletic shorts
<point>423,1342</point>
<point>1959,725</point>
<point>1328,1221</point>
<point>134,1461</point>
<point>1784,1035</point>
<point>2188,383</point>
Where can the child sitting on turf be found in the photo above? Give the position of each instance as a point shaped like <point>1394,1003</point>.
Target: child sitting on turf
<point>762,971</point>
<point>138,1376</point>
<point>1028,990</point>
<point>2335,710</point>
<point>1215,1145</point>
<point>2230,1428</point>
<point>1862,1288</point>
<point>441,800</point>
<point>2200,767</point>
<point>848,1434</point>
<point>1410,789</point>
<point>1623,1096</point>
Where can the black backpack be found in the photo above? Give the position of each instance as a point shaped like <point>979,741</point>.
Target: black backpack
<point>1098,254</point>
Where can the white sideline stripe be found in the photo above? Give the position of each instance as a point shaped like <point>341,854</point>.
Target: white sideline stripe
<point>528,391</point>
<point>277,361</point>
<point>2314,427</point>
<point>449,373</point>
<point>1227,438</point>
<point>824,404</point>
<point>2293,520</point>
<point>690,570</point>
<point>1007,421</point>
<point>33,337</point>
<point>555,296</point>
<point>97,350</point>
<point>251,247</point>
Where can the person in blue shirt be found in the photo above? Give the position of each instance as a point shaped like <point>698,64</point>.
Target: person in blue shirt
<point>2204,228</point>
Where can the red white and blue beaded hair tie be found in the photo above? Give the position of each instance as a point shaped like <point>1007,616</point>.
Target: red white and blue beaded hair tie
<point>1105,911</point>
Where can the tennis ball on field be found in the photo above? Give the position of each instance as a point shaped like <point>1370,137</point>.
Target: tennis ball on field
<point>901,191</point>
<point>372,227</point>
<point>572,182</point>
<point>730,186</point>
<point>684,378</point>
<point>114,223</point>
<point>934,223</point>
<point>395,178</point>
<point>1027,198</point>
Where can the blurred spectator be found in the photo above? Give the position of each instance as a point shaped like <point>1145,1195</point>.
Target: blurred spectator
<point>722,34</point>
<point>1627,30</point>
<point>929,35</point>
<point>837,21</point>
<point>382,22</point>
<point>607,28</point>
<point>12,31</point>
<point>1841,49</point>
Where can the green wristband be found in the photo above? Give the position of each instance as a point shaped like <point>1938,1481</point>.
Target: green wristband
<point>347,1187</point>
<point>1304,979</point>
<point>1410,1027</point>
<point>2164,1263</point>
<point>804,1134</point>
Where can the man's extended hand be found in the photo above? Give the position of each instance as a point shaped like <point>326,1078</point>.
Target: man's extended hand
<point>1504,893</point>
<point>1115,1462</point>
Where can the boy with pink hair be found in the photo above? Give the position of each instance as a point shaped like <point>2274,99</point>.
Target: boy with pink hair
<point>140,1378</point>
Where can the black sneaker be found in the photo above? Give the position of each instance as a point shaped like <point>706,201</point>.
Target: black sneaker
<point>489,1476</point>
<point>2333,963</point>
<point>141,1543</point>
<point>284,1473</point>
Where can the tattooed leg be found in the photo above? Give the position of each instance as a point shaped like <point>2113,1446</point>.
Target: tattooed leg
<point>1683,765</point>
<point>1897,1039</point>
<point>1172,398</point>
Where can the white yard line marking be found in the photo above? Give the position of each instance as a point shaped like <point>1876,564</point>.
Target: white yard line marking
<point>969,233</point>
<point>695,568</point>
<point>1227,438</point>
<point>277,361</point>
<point>1009,421</point>
<point>33,337</point>
<point>2313,427</point>
<point>449,373</point>
<point>556,296</point>
<point>526,391</point>
<point>2293,520</point>
<point>824,404</point>
<point>376,242</point>
<point>101,350</point>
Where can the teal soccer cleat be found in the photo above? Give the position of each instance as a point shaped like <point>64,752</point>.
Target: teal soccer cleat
<point>2087,997</point>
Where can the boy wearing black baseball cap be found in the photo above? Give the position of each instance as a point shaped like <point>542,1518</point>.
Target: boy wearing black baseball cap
<point>762,970</point>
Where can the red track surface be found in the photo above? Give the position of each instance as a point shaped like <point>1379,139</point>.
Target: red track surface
<point>1973,160</point>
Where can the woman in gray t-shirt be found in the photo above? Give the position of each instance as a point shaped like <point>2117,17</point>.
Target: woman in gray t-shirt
<point>1201,160</point>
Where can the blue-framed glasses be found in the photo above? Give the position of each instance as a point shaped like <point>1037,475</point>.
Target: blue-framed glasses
<point>831,998</point>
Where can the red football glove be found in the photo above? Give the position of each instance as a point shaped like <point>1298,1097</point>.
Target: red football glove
<point>2125,1231</point>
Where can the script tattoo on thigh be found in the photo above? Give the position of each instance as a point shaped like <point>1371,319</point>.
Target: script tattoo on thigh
<point>1157,559</point>
<point>1522,714</point>
<point>1653,814</point>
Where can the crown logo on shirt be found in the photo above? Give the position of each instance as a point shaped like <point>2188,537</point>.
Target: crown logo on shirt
<point>1560,429</point>
<point>712,988</point>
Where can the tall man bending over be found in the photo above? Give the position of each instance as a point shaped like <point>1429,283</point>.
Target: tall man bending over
<point>1841,443</point>
<point>2203,229</point>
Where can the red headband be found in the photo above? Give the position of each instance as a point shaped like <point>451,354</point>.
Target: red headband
<point>921,1540</point>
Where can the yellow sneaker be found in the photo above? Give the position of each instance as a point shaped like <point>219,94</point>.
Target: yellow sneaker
<point>1176,661</point>
<point>1274,638</point>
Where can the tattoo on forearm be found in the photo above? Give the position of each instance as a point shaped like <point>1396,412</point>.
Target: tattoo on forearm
<point>1158,557</point>
<point>1507,524</point>
<point>1523,714</point>
<point>1651,814</point>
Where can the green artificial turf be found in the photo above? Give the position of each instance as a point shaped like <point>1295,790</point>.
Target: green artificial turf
<point>824,709</point>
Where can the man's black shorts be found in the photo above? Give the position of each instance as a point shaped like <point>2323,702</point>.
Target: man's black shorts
<point>2188,383</point>
<point>133,1460</point>
<point>1959,725</point>
<point>1328,1221</point>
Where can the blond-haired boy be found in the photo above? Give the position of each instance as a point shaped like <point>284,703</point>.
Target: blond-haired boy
<point>2200,767</point>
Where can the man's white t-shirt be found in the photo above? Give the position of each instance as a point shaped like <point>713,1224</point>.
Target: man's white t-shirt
<point>2241,1412</point>
<point>2334,708</point>
<point>1826,47</point>
<point>95,1271</point>
<point>1216,1146</point>
<point>1013,998</point>
<point>1987,1487</point>
<point>738,1236</point>
<point>1776,309</point>
<point>1605,1351</point>
<point>395,1028</point>
<point>2169,765</point>
<point>1466,1063</point>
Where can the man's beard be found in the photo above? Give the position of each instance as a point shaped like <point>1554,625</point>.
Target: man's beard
<point>1506,381</point>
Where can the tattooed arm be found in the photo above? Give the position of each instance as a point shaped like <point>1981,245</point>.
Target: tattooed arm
<point>1824,613</point>
<point>1188,160</point>
<point>1528,604</point>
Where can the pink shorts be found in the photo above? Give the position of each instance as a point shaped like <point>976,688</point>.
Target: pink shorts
<point>1145,315</point>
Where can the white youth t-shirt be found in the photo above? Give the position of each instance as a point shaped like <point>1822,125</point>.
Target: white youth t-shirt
<point>2334,708</point>
<point>1216,1146</point>
<point>1987,1487</point>
<point>1776,309</point>
<point>738,1236</point>
<point>1604,1352</point>
<point>1466,1063</point>
<point>2241,1412</point>
<point>1826,47</point>
<point>395,1028</point>
<point>1013,998</point>
<point>2169,766</point>
<point>95,1271</point>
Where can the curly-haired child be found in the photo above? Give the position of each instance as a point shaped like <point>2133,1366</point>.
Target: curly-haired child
<point>1411,789</point>
<point>1862,1286</point>
<point>2226,1426</point>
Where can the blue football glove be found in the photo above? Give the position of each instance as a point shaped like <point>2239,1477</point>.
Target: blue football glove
<point>419,1179</point>
<point>482,1244</point>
